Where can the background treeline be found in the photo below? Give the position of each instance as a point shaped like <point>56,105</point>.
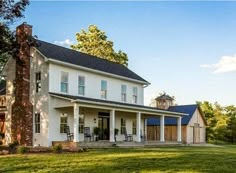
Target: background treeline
<point>221,122</point>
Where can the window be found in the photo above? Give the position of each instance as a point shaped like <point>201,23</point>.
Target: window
<point>63,123</point>
<point>123,93</point>
<point>103,89</point>
<point>135,94</point>
<point>64,82</point>
<point>37,122</point>
<point>81,85</point>
<point>134,127</point>
<point>122,126</point>
<point>38,81</point>
<point>81,123</point>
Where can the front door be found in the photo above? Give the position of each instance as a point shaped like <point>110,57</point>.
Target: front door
<point>103,125</point>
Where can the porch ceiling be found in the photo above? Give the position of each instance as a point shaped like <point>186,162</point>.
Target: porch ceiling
<point>105,104</point>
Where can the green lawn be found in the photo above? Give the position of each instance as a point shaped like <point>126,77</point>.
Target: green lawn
<point>163,159</point>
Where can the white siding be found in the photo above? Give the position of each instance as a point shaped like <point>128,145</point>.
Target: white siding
<point>92,84</point>
<point>196,118</point>
<point>39,100</point>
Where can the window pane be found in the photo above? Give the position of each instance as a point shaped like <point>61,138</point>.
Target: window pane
<point>64,77</point>
<point>135,91</point>
<point>103,85</point>
<point>123,89</point>
<point>81,90</point>
<point>64,87</point>
<point>81,81</point>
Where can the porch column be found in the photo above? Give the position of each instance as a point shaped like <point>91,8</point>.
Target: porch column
<point>138,127</point>
<point>162,128</point>
<point>76,122</point>
<point>179,130</point>
<point>112,125</point>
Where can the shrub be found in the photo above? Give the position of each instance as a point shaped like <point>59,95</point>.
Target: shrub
<point>22,149</point>
<point>1,142</point>
<point>57,148</point>
<point>12,146</point>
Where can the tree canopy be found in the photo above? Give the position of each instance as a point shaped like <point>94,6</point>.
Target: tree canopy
<point>10,11</point>
<point>221,121</point>
<point>94,42</point>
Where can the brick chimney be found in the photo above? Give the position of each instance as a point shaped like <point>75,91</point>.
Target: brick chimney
<point>22,109</point>
<point>164,101</point>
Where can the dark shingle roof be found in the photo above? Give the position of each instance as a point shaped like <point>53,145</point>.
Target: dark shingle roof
<point>188,109</point>
<point>2,87</point>
<point>72,97</point>
<point>63,54</point>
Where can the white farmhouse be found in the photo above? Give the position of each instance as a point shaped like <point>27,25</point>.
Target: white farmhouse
<point>51,90</point>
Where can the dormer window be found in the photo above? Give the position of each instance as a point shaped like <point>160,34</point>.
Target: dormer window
<point>38,81</point>
<point>64,82</point>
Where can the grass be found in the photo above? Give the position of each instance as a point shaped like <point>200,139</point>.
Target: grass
<point>163,159</point>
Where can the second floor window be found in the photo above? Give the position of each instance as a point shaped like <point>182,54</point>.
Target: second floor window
<point>135,94</point>
<point>64,82</point>
<point>38,81</point>
<point>104,89</point>
<point>37,122</point>
<point>123,93</point>
<point>81,85</point>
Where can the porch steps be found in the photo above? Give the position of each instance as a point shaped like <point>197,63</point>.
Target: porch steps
<point>97,144</point>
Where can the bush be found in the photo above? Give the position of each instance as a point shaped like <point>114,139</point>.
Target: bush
<point>1,142</point>
<point>22,149</point>
<point>57,148</point>
<point>12,146</point>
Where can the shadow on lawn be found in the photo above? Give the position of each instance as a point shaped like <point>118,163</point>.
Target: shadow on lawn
<point>180,159</point>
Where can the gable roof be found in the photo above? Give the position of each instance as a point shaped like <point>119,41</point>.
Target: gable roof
<point>188,109</point>
<point>70,56</point>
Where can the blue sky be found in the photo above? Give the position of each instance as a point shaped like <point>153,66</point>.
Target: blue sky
<point>187,49</point>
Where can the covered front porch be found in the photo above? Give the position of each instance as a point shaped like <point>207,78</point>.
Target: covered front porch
<point>117,122</point>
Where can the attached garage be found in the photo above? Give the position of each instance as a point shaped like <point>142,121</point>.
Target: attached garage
<point>193,126</point>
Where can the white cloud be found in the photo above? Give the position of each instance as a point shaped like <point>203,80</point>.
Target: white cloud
<point>65,43</point>
<point>224,65</point>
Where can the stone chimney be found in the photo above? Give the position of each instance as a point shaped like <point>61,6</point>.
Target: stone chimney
<point>164,101</point>
<point>22,109</point>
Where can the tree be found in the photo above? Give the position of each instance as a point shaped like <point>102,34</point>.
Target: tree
<point>10,10</point>
<point>94,42</point>
<point>231,123</point>
<point>208,112</point>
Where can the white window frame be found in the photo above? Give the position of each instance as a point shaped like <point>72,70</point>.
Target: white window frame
<point>135,95</point>
<point>123,93</point>
<point>66,83</point>
<point>103,91</point>
<point>81,85</point>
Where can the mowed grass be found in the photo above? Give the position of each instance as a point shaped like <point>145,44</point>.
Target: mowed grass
<point>163,159</point>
